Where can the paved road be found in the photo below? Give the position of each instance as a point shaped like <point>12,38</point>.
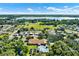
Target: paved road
<point>11,36</point>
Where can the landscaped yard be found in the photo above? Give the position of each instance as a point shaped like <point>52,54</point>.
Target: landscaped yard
<point>31,47</point>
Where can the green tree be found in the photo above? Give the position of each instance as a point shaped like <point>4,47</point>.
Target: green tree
<point>62,49</point>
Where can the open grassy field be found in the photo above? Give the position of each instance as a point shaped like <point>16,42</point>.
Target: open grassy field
<point>37,26</point>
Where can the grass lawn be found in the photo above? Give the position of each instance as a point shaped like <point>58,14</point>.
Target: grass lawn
<point>31,47</point>
<point>38,27</point>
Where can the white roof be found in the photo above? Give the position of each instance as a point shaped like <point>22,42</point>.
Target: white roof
<point>42,48</point>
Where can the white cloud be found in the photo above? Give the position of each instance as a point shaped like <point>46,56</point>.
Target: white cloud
<point>53,8</point>
<point>65,6</point>
<point>64,10</point>
<point>29,9</point>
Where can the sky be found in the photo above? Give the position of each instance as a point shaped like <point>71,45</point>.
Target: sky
<point>39,8</point>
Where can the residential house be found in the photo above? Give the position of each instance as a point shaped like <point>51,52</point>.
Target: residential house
<point>43,48</point>
<point>36,41</point>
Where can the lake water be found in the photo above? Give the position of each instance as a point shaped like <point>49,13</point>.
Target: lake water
<point>56,18</point>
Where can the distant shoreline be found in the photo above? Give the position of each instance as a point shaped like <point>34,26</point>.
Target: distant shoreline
<point>40,15</point>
